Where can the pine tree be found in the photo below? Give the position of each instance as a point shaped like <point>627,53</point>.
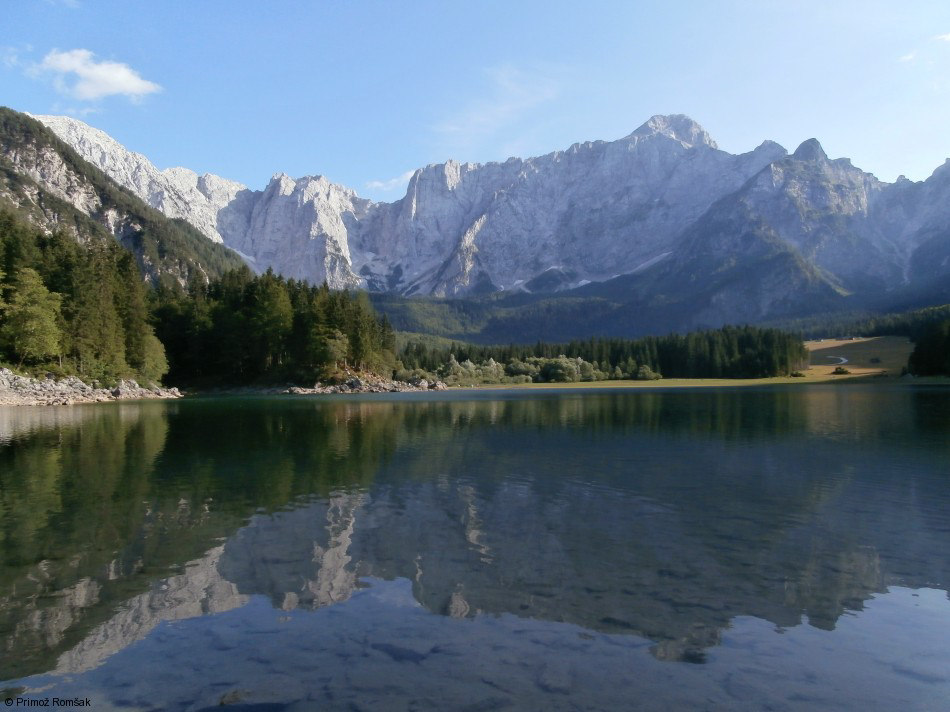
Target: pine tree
<point>131,308</point>
<point>96,334</point>
<point>271,319</point>
<point>30,329</point>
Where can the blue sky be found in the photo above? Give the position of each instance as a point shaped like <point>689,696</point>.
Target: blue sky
<point>365,92</point>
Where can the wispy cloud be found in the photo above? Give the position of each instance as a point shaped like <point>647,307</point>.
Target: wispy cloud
<point>909,57</point>
<point>65,3</point>
<point>77,74</point>
<point>387,186</point>
<point>80,111</point>
<point>512,92</point>
<point>9,57</point>
<point>12,57</point>
<point>943,38</point>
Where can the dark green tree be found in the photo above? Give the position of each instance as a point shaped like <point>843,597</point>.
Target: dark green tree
<point>931,354</point>
<point>30,326</point>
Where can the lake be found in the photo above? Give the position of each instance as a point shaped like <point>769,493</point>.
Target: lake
<point>781,548</point>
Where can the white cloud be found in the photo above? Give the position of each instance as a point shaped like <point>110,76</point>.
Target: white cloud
<point>907,57</point>
<point>80,111</point>
<point>943,38</point>
<point>387,186</point>
<point>512,93</point>
<point>77,74</point>
<point>9,57</point>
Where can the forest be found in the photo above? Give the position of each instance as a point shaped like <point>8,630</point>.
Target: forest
<point>931,354</point>
<point>71,308</point>
<point>729,352</point>
<point>74,308</point>
<point>242,329</point>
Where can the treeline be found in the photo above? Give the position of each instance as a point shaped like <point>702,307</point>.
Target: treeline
<point>243,329</point>
<point>74,308</point>
<point>729,352</point>
<point>909,324</point>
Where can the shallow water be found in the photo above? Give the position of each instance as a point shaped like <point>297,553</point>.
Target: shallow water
<point>779,548</point>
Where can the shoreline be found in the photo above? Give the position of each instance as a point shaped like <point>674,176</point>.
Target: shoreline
<point>18,390</point>
<point>677,383</point>
<point>874,360</point>
<point>130,390</point>
<point>660,384</point>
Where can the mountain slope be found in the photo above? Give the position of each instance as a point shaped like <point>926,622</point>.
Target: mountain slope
<point>586,214</point>
<point>176,192</point>
<point>48,182</point>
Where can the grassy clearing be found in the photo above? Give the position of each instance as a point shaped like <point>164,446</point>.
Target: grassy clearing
<point>880,356</point>
<point>662,383</point>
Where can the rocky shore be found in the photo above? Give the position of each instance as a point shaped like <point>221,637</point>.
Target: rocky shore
<point>353,384</point>
<point>21,390</point>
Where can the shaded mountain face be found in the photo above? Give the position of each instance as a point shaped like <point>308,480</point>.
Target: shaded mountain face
<point>49,184</point>
<point>684,230</point>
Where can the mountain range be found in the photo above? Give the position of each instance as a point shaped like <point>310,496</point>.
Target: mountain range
<point>656,231</point>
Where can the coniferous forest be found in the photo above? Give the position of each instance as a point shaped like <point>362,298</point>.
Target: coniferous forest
<point>931,355</point>
<point>74,308</point>
<point>729,352</point>
<point>243,329</point>
<point>68,307</point>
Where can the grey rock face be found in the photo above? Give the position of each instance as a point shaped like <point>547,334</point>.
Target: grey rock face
<point>591,212</point>
<point>586,214</point>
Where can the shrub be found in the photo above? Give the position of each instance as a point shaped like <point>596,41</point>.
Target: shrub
<point>645,373</point>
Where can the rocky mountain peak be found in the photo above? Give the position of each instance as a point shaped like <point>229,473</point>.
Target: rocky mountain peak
<point>771,147</point>
<point>678,127</point>
<point>810,150</point>
<point>73,131</point>
<point>942,171</point>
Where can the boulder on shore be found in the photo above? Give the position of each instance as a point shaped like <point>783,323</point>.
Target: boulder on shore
<point>367,383</point>
<point>23,390</point>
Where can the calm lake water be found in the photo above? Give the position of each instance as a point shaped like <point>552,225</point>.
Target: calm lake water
<point>784,549</point>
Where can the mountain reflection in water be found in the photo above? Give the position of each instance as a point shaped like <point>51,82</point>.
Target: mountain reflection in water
<point>663,515</point>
